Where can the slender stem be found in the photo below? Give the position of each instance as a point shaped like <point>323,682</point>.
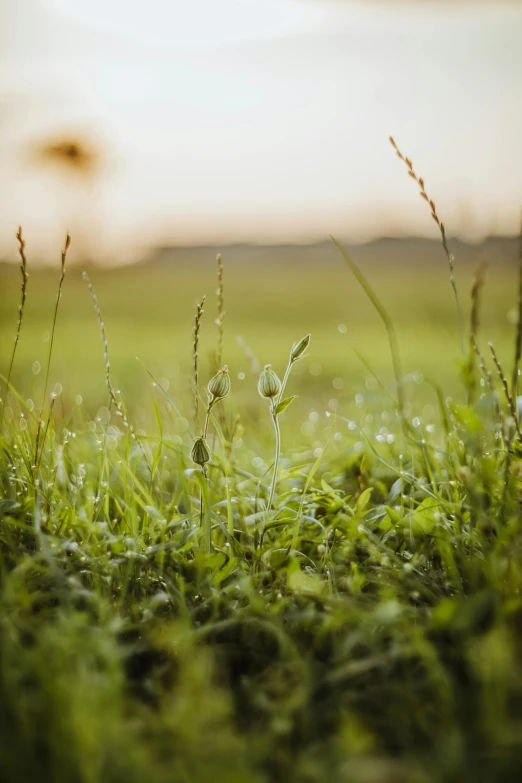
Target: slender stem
<point>207,418</point>
<point>390,330</point>
<point>197,326</point>
<point>57,305</point>
<point>204,514</point>
<point>25,276</point>
<point>440,226</point>
<point>230,511</point>
<point>284,382</point>
<point>459,312</point>
<point>278,432</point>
<point>201,508</point>
<point>278,449</point>
<point>518,339</point>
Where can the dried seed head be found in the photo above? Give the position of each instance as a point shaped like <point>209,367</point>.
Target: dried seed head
<point>200,453</point>
<point>219,385</point>
<point>269,384</point>
<point>299,348</point>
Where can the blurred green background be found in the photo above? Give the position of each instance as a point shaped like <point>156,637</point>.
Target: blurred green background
<point>273,296</point>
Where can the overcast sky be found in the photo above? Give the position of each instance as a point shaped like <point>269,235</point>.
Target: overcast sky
<point>259,119</point>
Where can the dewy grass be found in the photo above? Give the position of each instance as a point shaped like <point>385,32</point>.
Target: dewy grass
<point>365,626</point>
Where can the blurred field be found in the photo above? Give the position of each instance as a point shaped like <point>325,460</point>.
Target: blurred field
<point>272,298</point>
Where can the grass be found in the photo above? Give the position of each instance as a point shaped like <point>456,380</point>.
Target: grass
<point>149,311</point>
<point>349,609</point>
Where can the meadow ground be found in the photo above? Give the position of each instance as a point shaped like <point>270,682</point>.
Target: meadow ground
<point>149,309</point>
<point>165,622</point>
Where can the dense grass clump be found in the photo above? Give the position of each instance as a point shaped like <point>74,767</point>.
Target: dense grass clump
<point>182,603</point>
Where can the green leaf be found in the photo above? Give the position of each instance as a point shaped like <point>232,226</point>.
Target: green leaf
<point>395,518</point>
<point>327,488</point>
<point>308,584</point>
<point>424,518</point>
<point>363,500</point>
<point>283,405</point>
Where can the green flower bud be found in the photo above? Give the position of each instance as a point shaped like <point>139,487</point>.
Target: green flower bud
<point>269,384</point>
<point>200,453</point>
<point>299,348</point>
<point>219,385</point>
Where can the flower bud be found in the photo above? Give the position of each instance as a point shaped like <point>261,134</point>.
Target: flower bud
<point>269,384</point>
<point>200,453</point>
<point>299,348</point>
<point>219,385</point>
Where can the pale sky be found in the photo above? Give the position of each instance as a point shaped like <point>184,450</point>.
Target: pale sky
<point>233,120</point>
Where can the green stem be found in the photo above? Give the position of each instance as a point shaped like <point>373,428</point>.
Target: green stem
<point>201,508</point>
<point>207,418</point>
<point>53,330</point>
<point>285,380</point>
<point>230,511</point>
<point>278,432</point>
<point>276,461</point>
<point>204,513</point>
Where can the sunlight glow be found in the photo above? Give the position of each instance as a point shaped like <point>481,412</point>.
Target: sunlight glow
<point>197,23</point>
<point>223,120</point>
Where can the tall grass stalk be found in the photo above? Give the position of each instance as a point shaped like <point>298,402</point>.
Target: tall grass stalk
<point>113,397</point>
<point>442,230</point>
<point>491,386</point>
<point>518,337</point>
<point>195,361</point>
<point>51,344</point>
<point>23,288</point>
<point>476,290</point>
<point>220,320</point>
<point>388,325</point>
<point>220,323</point>
<point>509,397</point>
